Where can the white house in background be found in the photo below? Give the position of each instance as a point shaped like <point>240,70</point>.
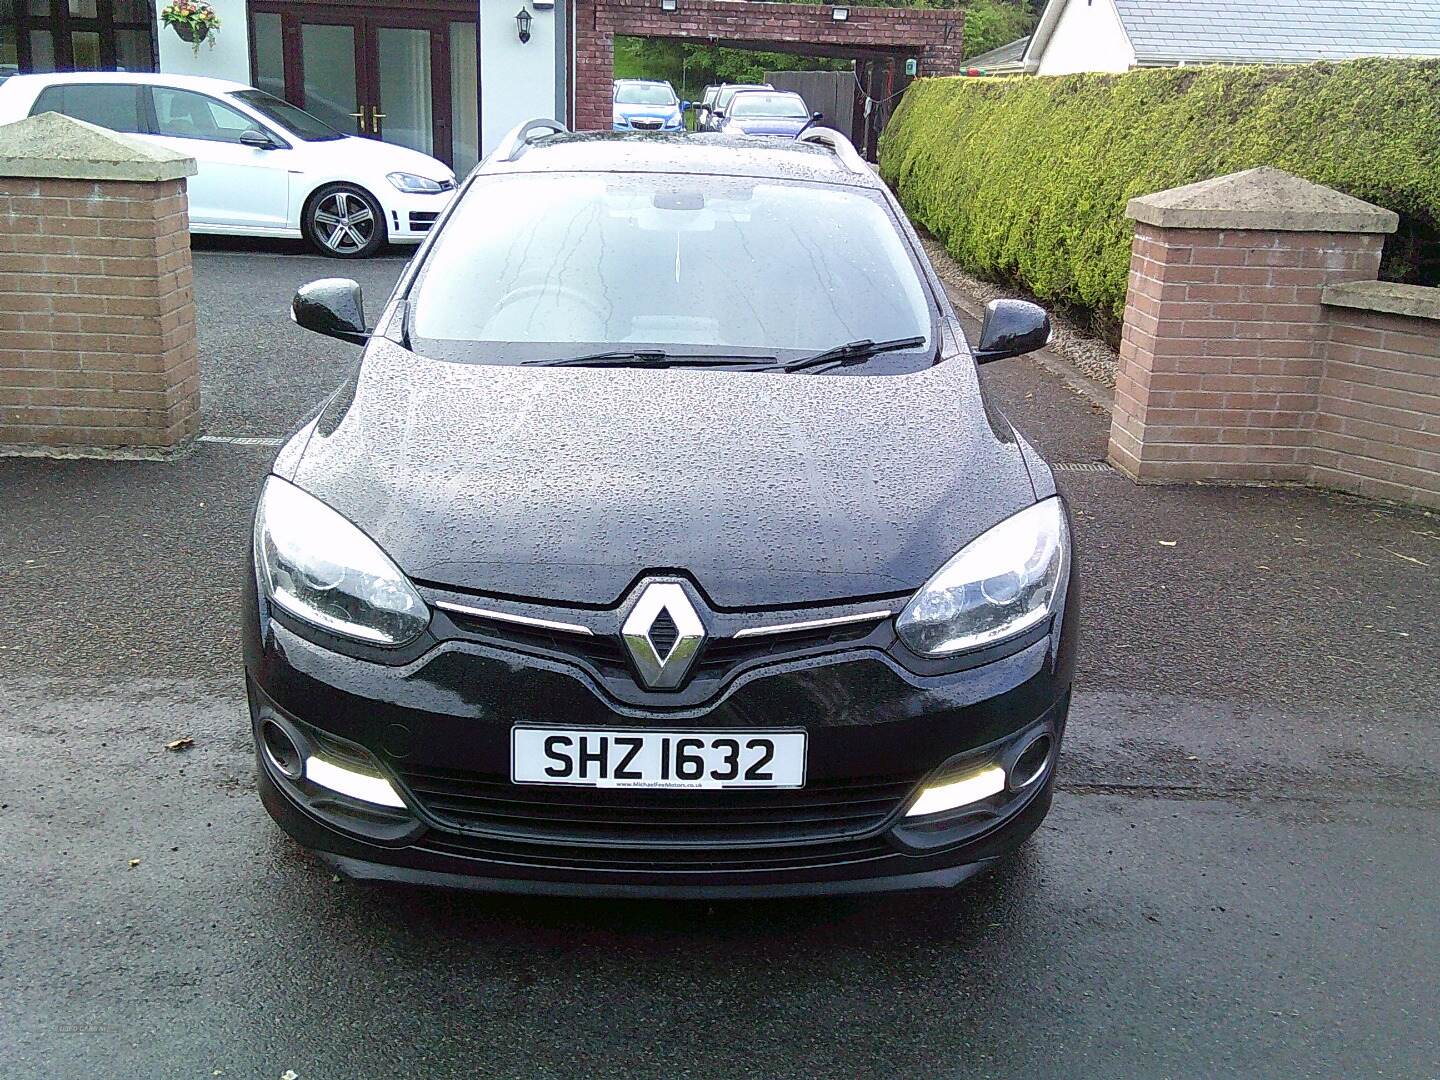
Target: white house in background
<point>403,71</point>
<point>1117,35</point>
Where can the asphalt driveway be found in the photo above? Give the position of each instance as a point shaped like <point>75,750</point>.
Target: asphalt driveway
<point>1238,877</point>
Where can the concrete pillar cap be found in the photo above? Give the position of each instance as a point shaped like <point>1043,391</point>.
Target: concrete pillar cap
<point>54,147</point>
<point>1264,198</point>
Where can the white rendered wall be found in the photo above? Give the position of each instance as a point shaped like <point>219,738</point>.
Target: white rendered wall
<point>517,82</point>
<point>229,59</point>
<point>1088,37</point>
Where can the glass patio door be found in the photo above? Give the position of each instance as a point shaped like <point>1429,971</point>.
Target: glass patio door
<point>389,75</point>
<point>403,107</point>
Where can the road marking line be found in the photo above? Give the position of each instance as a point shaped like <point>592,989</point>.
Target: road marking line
<point>241,440</point>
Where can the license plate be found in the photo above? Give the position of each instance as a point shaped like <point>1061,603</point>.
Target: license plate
<point>646,758</point>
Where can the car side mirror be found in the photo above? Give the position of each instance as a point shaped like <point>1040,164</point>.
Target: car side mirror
<point>686,106</point>
<point>333,307</point>
<point>719,114</point>
<point>1011,328</point>
<point>817,116</point>
<point>258,139</point>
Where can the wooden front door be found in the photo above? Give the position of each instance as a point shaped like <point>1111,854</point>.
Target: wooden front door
<point>373,71</point>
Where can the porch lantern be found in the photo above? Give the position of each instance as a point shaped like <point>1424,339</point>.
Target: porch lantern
<point>523,19</point>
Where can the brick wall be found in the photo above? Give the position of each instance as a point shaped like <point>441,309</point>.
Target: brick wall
<point>934,36</point>
<point>1259,345</point>
<point>1377,423</point>
<point>1223,350</point>
<point>97,314</point>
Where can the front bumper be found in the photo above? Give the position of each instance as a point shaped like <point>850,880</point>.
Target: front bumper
<point>410,217</point>
<point>438,728</point>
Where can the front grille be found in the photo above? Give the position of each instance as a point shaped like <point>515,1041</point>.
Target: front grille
<point>610,817</point>
<point>659,860</point>
<point>645,125</point>
<point>723,653</point>
<point>421,221</point>
<point>718,656</point>
<point>602,651</point>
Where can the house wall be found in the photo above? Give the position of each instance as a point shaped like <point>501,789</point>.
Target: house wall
<point>517,82</point>
<point>228,59</point>
<point>1088,37</point>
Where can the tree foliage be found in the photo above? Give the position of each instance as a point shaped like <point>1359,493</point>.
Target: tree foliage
<point>992,23</point>
<point>1026,180</point>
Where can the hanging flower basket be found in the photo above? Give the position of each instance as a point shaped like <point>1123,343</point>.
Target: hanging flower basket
<point>194,21</point>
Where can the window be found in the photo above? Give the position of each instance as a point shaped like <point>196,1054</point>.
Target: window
<point>296,121</point>
<point>754,103</point>
<point>77,35</point>
<point>9,39</point>
<point>723,96</point>
<point>547,265</point>
<point>183,114</point>
<point>644,94</point>
<point>110,105</point>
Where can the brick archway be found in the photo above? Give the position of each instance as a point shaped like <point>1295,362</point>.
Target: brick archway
<point>882,36</point>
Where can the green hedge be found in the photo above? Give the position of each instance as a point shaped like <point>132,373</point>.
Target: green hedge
<point>1026,180</point>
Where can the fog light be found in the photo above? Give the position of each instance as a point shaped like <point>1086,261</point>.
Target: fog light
<point>958,793</point>
<point>1031,763</point>
<point>280,750</point>
<point>357,785</point>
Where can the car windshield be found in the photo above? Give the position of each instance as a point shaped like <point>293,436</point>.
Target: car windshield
<point>753,103</point>
<point>570,264</point>
<point>643,94</point>
<point>295,121</point>
<point>722,99</point>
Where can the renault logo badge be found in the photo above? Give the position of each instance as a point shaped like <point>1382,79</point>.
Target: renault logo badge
<point>663,634</point>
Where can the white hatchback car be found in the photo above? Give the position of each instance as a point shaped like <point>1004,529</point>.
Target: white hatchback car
<point>264,167</point>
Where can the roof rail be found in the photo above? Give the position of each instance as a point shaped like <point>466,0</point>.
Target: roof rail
<point>517,140</point>
<point>839,145</point>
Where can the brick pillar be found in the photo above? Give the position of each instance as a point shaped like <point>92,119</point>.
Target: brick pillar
<point>97,312</point>
<point>1225,338</point>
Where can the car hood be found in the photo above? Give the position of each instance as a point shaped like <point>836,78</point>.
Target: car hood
<point>771,125</point>
<point>369,155</point>
<point>566,484</point>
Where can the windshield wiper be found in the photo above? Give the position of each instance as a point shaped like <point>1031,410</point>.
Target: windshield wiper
<point>656,358</point>
<point>852,352</point>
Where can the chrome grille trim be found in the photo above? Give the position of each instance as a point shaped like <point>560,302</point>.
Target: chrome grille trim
<point>511,617</point>
<point>812,624</point>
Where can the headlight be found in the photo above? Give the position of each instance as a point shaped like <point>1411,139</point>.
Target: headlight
<point>1001,584</point>
<point>320,568</point>
<point>414,185</point>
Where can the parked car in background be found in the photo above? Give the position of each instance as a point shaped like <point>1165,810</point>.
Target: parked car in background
<point>263,167</point>
<point>715,114</point>
<point>767,112</point>
<point>646,105</point>
<point>707,99</point>
<point>662,543</point>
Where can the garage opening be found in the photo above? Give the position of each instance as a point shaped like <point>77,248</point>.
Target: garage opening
<point>882,48</point>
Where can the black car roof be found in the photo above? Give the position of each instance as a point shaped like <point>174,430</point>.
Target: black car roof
<point>700,153</point>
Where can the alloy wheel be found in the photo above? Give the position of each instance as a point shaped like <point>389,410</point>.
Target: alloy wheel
<point>344,223</point>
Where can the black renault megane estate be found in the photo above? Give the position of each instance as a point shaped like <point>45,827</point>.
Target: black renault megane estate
<point>662,543</point>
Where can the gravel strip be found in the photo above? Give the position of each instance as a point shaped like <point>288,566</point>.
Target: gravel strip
<point>1088,354</point>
